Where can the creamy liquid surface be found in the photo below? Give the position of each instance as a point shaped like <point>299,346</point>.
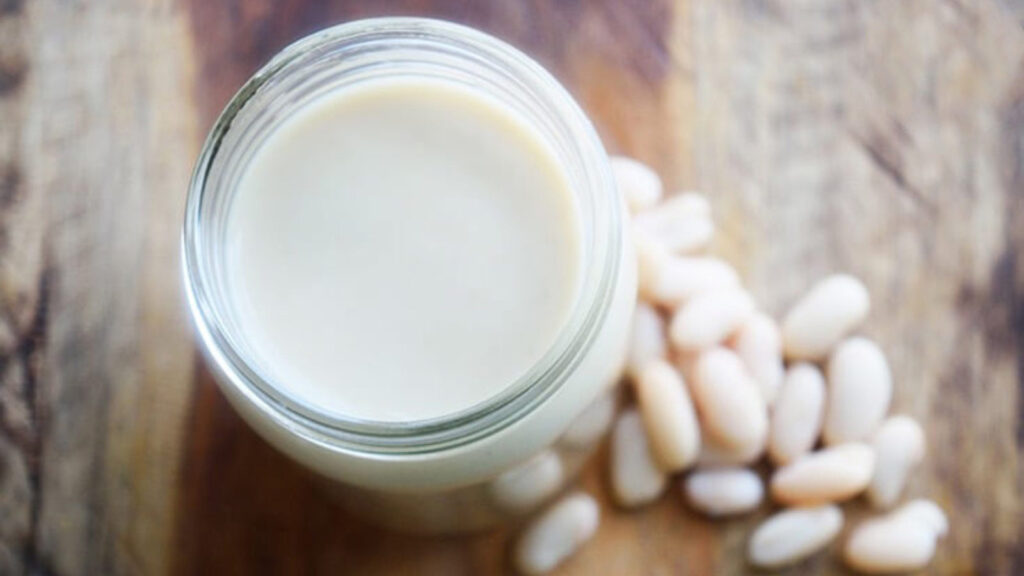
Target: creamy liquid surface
<point>402,250</point>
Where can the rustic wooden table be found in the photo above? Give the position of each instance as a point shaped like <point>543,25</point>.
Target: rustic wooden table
<point>883,137</point>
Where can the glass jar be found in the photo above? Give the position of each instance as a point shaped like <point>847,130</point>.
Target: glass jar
<point>505,456</point>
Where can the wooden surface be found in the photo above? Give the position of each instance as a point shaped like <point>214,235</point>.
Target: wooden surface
<point>883,137</point>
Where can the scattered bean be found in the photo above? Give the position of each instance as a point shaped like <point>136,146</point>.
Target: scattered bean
<point>830,310</point>
<point>669,416</point>
<point>899,446</point>
<point>928,512</point>
<point>636,478</point>
<point>901,541</point>
<point>647,341</point>
<point>759,344</point>
<point>651,260</point>
<point>714,455</point>
<point>859,391</point>
<point>639,186</point>
<point>709,318</point>
<point>686,362</point>
<point>729,403</point>
<point>527,485</point>
<point>681,223</point>
<point>725,491</point>
<point>556,534</point>
<point>798,414</point>
<point>837,473</point>
<point>792,535</point>
<point>680,278</point>
<point>683,237</point>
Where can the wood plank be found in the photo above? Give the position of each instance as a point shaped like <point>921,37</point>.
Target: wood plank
<point>877,137</point>
<point>98,358</point>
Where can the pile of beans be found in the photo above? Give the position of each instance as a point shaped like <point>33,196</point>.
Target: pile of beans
<point>719,386</point>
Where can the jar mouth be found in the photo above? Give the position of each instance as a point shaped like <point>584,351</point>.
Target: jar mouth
<point>375,48</point>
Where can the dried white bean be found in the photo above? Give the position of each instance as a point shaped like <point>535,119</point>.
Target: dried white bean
<point>831,309</point>
<point>530,483</point>
<point>680,278</point>
<point>859,391</point>
<point>792,535</point>
<point>725,491</point>
<point>651,261</point>
<point>683,204</point>
<point>927,512</point>
<point>678,235</point>
<point>686,362</point>
<point>901,541</point>
<point>759,344</point>
<point>636,479</point>
<point>669,416</point>
<point>589,426</point>
<point>647,341</point>
<point>709,318</point>
<point>798,414</point>
<point>639,186</point>
<point>714,455</point>
<point>681,223</point>
<point>834,474</point>
<point>899,446</point>
<point>729,403</point>
<point>556,534</point>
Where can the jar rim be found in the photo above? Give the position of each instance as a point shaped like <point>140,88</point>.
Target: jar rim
<point>338,431</point>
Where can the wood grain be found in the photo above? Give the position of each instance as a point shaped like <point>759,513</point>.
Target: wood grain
<point>99,137</point>
<point>882,138</point>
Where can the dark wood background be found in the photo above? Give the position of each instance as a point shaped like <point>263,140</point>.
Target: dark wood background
<point>883,137</point>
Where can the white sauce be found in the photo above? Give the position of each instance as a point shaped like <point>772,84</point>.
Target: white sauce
<point>402,250</point>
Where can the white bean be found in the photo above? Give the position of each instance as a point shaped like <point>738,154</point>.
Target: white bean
<point>556,534</point>
<point>680,278</point>
<point>686,362</point>
<point>639,186</point>
<point>834,474</point>
<point>683,204</point>
<point>792,535</point>
<point>647,341</point>
<point>587,428</point>
<point>669,416</point>
<point>714,455</point>
<point>899,446</point>
<point>729,403</point>
<point>725,491</point>
<point>927,512</point>
<point>859,391</point>
<point>681,223</point>
<point>679,235</point>
<point>798,413</point>
<point>901,541</point>
<point>759,344</point>
<point>709,318</point>
<point>651,260</point>
<point>830,310</point>
<point>636,479</point>
<point>530,483</point>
